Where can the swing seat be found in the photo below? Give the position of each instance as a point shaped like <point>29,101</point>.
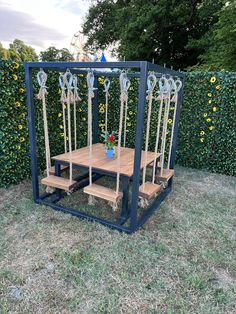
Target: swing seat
<point>58,182</point>
<point>166,175</point>
<point>103,192</point>
<point>148,190</point>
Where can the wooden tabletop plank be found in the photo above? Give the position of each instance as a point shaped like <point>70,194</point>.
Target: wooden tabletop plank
<point>80,157</point>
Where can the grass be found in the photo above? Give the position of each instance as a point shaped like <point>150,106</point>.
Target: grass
<point>181,261</point>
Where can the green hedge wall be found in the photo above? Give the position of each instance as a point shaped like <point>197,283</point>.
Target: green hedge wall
<point>207,129</point>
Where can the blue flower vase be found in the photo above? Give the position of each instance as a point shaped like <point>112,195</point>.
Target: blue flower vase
<point>110,152</point>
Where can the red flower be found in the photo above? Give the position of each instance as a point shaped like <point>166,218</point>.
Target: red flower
<point>111,138</point>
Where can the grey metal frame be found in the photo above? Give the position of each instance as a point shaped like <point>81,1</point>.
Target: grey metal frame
<point>129,213</point>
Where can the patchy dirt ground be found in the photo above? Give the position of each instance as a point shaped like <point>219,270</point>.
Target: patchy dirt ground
<point>182,261</point>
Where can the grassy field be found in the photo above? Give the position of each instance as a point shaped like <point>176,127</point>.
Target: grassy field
<point>182,261</point>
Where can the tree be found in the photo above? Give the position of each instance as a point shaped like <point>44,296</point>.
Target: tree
<point>3,52</point>
<point>54,54</point>
<point>19,51</point>
<point>151,29</point>
<point>219,43</point>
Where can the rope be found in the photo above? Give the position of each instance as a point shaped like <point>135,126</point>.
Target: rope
<point>106,91</point>
<point>63,101</point>
<point>162,86</point>
<point>90,82</point>
<point>68,78</point>
<point>175,100</point>
<point>75,99</point>
<point>42,79</point>
<point>151,82</point>
<point>124,85</point>
<point>164,130</point>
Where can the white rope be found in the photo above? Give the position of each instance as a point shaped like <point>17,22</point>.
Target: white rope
<point>106,91</point>
<point>162,86</point>
<point>42,79</point>
<point>68,81</point>
<point>90,82</point>
<point>75,99</point>
<point>164,129</point>
<point>63,101</point>
<point>125,85</point>
<point>174,99</point>
<point>151,82</point>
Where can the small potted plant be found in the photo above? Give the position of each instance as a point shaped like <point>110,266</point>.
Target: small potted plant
<point>110,141</point>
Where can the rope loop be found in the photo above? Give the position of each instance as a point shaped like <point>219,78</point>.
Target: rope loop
<point>75,87</point>
<point>63,87</point>
<point>124,86</point>
<point>90,83</point>
<point>68,79</point>
<point>151,83</point>
<point>107,84</point>
<point>42,79</point>
<point>178,84</point>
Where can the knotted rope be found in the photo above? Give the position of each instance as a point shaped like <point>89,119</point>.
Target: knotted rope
<point>167,95</point>
<point>177,87</point>
<point>75,99</point>
<point>162,89</point>
<point>106,91</point>
<point>63,101</point>
<point>42,79</point>
<point>124,87</point>
<point>68,79</point>
<point>151,83</point>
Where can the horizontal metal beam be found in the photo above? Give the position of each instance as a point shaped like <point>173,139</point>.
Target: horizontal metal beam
<point>164,70</point>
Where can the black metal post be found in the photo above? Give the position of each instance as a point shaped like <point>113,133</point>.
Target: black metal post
<point>138,142</point>
<point>32,133</point>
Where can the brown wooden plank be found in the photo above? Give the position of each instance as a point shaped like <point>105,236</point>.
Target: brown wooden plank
<point>166,175</point>
<point>102,192</point>
<point>52,169</point>
<point>101,162</point>
<point>58,182</point>
<point>148,190</point>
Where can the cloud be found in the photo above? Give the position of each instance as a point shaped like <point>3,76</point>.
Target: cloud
<point>15,24</point>
<point>78,7</point>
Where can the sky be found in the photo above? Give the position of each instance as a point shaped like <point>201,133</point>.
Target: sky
<point>41,23</point>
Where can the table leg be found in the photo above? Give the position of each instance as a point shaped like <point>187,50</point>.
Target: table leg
<point>58,174</point>
<point>125,200</point>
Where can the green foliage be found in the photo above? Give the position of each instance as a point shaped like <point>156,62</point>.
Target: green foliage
<point>219,43</point>
<point>152,29</point>
<point>212,150</point>
<point>54,54</point>
<point>3,53</point>
<point>18,51</point>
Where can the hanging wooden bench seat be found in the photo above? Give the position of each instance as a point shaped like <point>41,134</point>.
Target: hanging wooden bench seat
<point>103,192</point>
<point>52,169</point>
<point>58,182</point>
<point>149,190</point>
<point>166,175</point>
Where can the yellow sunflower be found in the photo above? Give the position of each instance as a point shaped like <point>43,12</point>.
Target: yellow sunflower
<point>209,101</point>
<point>62,134</point>
<point>61,126</point>
<point>80,110</point>
<point>22,139</point>
<point>218,87</point>
<point>170,121</point>
<point>130,113</point>
<point>209,94</point>
<point>129,124</point>
<point>101,110</point>
<point>211,127</point>
<point>16,65</point>
<point>20,126</point>
<point>208,119</point>
<point>15,77</point>
<point>59,114</point>
<point>202,139</point>
<point>18,147</point>
<point>214,109</point>
<point>21,90</point>
<point>202,132</point>
<point>213,79</point>
<point>18,104</point>
<point>205,115</point>
<point>23,114</point>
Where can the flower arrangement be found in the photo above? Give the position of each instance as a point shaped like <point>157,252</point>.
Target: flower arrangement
<point>109,140</point>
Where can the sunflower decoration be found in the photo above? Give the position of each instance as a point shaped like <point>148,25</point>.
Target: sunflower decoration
<point>16,65</point>
<point>23,115</point>
<point>213,79</point>
<point>15,77</point>
<point>208,119</point>
<point>205,115</point>
<point>18,104</point>
<point>202,139</point>
<point>20,126</point>
<point>209,101</point>
<point>202,133</point>
<point>59,114</point>
<point>170,121</point>
<point>22,139</point>
<point>211,127</point>
<point>21,90</point>
<point>214,109</point>
<point>61,126</point>
<point>209,94</point>
<point>217,87</point>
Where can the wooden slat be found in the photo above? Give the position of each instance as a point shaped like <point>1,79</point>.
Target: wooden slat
<point>52,169</point>
<point>80,157</point>
<point>166,175</point>
<point>103,192</point>
<point>148,190</point>
<point>58,182</point>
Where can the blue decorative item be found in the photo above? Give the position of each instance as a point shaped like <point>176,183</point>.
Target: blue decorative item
<point>103,58</point>
<point>110,153</point>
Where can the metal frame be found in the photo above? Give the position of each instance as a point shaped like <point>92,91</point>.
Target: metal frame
<point>129,213</point>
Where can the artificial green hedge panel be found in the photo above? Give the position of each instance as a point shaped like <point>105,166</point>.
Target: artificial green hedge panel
<point>207,128</point>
